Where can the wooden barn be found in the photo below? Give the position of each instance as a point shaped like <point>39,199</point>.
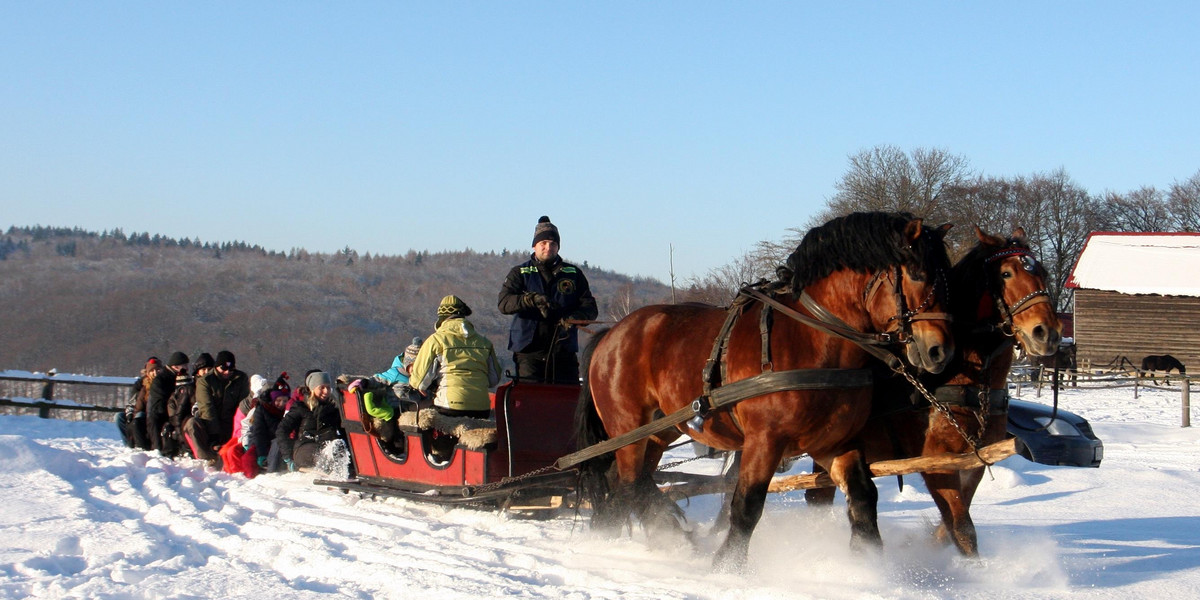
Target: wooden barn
<point>1137,294</point>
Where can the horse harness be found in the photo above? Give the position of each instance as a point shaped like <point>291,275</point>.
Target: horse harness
<point>981,400</point>
<point>715,394</point>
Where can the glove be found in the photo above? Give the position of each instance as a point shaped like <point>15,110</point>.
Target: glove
<point>537,301</point>
<point>356,384</point>
<point>291,465</point>
<point>565,324</point>
<point>262,462</point>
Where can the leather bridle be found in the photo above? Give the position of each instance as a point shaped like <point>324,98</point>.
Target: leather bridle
<point>900,328</point>
<point>1039,296</point>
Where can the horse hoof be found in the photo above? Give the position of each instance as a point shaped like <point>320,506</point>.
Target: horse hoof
<point>729,564</point>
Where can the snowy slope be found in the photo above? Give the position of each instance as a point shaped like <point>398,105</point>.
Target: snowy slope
<point>84,517</point>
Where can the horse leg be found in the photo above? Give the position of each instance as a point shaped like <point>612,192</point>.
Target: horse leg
<point>654,509</point>
<point>621,501</point>
<point>954,506</point>
<point>852,475</point>
<point>730,470</point>
<point>819,496</point>
<point>759,460</point>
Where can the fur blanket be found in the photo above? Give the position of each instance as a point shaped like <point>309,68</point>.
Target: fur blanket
<point>472,433</point>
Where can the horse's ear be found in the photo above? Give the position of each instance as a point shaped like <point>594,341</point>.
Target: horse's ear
<point>987,239</point>
<point>1019,233</point>
<point>944,227</point>
<point>912,230</point>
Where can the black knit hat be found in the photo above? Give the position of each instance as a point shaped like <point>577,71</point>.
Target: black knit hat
<point>545,230</point>
<point>226,359</point>
<point>204,361</point>
<point>178,358</point>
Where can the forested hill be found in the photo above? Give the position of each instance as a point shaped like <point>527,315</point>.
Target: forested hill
<point>101,303</point>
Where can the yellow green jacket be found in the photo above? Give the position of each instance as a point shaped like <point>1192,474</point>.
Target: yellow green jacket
<point>457,365</point>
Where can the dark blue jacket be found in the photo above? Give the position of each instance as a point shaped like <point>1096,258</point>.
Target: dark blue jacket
<point>570,298</point>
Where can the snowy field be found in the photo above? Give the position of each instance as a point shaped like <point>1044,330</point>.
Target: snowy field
<point>84,517</point>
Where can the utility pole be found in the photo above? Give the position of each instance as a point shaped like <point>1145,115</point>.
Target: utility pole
<point>671,260</point>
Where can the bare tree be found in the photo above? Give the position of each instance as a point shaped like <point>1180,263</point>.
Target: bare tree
<point>1144,209</point>
<point>1067,214</point>
<point>1184,201</point>
<point>993,204</point>
<point>622,303</point>
<point>721,284</point>
<point>886,178</point>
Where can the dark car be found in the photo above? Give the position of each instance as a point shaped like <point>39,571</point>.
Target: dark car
<point>1065,440</point>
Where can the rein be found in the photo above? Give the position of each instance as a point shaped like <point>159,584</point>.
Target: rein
<point>822,320</point>
<point>989,401</point>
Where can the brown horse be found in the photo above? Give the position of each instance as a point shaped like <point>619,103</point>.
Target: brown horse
<point>999,299</point>
<point>1161,362</point>
<point>860,274</point>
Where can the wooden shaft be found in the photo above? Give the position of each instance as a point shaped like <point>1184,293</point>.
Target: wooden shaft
<point>941,462</point>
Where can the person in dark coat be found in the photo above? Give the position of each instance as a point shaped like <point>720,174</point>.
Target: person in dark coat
<point>545,294</point>
<point>182,408</point>
<point>217,397</point>
<point>162,385</point>
<point>132,422</point>
<point>267,417</point>
<point>314,423</point>
<point>171,436</point>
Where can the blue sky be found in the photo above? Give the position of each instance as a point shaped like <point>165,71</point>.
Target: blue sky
<point>389,126</point>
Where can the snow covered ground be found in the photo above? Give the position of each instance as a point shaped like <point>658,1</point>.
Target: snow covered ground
<point>84,517</point>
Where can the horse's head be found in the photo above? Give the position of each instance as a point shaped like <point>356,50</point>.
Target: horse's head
<point>907,300</point>
<point>903,266</point>
<point>1016,284</point>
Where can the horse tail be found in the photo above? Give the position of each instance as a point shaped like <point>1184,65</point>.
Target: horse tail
<point>589,431</point>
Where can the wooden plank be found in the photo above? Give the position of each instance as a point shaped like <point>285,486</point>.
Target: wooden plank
<point>941,462</point>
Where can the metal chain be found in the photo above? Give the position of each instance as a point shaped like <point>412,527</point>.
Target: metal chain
<point>985,408</point>
<point>942,408</point>
<point>681,462</point>
<point>487,487</point>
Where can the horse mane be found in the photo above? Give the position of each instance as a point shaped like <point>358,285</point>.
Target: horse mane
<point>865,242</point>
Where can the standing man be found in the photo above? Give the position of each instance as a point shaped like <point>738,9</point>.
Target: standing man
<point>543,294</point>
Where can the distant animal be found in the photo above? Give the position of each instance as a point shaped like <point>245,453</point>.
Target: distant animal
<point>1063,361</point>
<point>1161,362</point>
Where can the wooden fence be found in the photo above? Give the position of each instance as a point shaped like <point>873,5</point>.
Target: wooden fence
<point>85,398</point>
<point>1042,378</point>
<point>68,397</point>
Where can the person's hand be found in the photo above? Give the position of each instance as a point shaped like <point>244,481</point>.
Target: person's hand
<point>291,465</point>
<point>565,324</point>
<point>356,384</point>
<point>538,302</point>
